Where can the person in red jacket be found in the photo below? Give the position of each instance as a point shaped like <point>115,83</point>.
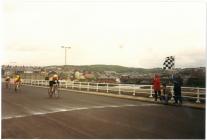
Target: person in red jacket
<point>156,86</point>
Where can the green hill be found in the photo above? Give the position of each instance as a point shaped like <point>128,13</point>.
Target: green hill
<point>117,68</point>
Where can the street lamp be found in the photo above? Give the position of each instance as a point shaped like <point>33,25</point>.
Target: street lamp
<point>66,53</point>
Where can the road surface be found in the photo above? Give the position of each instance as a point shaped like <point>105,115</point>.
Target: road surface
<point>30,113</point>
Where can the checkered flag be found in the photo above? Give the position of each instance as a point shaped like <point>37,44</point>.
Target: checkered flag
<point>169,62</point>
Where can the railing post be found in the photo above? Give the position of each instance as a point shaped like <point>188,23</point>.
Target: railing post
<point>97,87</point>
<point>119,89</point>
<point>172,91</point>
<point>134,90</point>
<point>151,91</point>
<point>88,86</point>
<point>72,84</point>
<point>79,85</point>
<point>38,82</point>
<point>198,96</point>
<point>66,84</point>
<point>107,88</point>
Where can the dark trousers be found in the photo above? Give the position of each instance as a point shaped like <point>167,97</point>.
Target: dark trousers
<point>157,93</point>
<point>178,97</point>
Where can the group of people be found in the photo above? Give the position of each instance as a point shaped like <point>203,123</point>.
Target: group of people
<point>164,93</point>
<point>17,82</point>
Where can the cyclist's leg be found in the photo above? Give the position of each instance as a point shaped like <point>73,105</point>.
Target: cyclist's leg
<point>53,90</point>
<point>6,85</point>
<point>50,88</point>
<point>19,86</point>
<point>15,86</point>
<point>50,91</point>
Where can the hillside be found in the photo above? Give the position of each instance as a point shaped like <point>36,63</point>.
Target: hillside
<point>117,68</point>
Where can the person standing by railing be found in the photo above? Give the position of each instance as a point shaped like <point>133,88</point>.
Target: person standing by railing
<point>156,87</point>
<point>166,93</point>
<point>178,82</point>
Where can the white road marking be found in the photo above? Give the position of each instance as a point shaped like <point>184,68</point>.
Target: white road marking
<point>74,109</point>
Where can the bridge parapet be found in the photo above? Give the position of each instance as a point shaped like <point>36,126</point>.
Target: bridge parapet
<point>192,94</point>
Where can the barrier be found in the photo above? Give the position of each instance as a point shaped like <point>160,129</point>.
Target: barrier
<point>195,94</point>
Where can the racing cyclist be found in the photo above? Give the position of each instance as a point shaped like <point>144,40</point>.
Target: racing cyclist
<point>52,81</point>
<point>17,82</point>
<point>7,80</point>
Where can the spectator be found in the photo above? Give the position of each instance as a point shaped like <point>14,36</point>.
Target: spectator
<point>166,93</point>
<point>178,82</point>
<point>156,87</point>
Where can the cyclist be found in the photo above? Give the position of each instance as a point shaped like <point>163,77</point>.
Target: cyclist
<point>53,81</point>
<point>7,80</point>
<point>17,82</point>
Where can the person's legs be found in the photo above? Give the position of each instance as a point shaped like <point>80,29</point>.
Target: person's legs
<point>166,98</point>
<point>180,98</point>
<point>159,94</point>
<point>155,95</point>
<point>175,98</point>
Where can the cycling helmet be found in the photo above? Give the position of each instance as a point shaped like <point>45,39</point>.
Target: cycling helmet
<point>55,75</point>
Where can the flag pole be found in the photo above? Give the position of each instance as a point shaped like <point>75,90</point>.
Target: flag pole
<point>173,73</point>
<point>173,69</point>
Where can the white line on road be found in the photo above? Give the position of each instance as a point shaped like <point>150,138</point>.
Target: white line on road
<point>76,109</point>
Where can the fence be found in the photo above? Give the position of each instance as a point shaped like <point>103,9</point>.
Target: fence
<point>193,94</point>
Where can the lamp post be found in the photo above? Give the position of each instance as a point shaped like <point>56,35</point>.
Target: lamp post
<point>65,53</point>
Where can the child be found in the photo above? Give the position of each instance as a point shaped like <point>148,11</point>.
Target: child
<point>166,93</point>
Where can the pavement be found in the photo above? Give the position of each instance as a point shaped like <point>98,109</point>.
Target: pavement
<point>30,113</point>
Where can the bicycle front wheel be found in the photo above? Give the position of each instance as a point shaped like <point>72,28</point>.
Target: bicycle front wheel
<point>56,93</point>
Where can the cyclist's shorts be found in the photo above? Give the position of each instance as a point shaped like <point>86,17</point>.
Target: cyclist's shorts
<point>51,83</point>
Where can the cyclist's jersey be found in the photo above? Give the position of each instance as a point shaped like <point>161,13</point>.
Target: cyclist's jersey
<point>17,80</point>
<point>52,81</point>
<point>56,82</point>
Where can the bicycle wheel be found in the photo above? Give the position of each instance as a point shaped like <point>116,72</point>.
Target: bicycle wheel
<point>56,93</point>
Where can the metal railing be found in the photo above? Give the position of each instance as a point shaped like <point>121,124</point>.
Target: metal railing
<point>194,94</point>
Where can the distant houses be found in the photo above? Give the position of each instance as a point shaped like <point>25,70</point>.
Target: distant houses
<point>191,76</point>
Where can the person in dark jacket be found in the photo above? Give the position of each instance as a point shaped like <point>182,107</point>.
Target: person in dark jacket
<point>178,82</point>
<point>156,87</point>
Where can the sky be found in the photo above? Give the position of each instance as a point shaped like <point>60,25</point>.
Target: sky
<point>119,32</point>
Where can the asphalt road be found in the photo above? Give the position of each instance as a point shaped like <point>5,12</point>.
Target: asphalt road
<point>30,113</point>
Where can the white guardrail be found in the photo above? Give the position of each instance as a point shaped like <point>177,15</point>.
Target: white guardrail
<point>194,94</point>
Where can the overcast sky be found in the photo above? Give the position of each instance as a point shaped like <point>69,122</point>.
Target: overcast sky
<point>133,34</point>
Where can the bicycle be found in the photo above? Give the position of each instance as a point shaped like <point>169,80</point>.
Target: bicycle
<point>53,91</point>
